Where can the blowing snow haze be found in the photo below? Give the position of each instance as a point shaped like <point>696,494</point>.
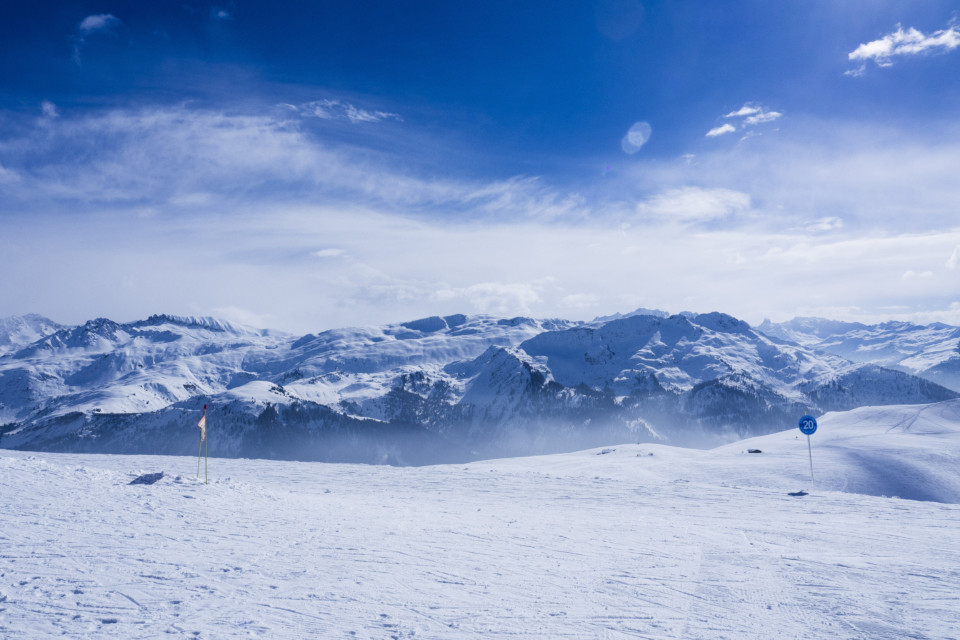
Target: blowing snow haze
<point>308,166</point>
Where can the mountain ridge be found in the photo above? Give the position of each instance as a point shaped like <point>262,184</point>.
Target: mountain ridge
<point>441,387</point>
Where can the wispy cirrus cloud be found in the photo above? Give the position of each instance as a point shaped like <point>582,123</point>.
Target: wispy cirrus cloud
<point>762,117</point>
<point>103,22</point>
<point>8,176</point>
<point>269,204</point>
<point>100,23</point>
<point>501,298</point>
<point>904,43</point>
<point>395,267</point>
<point>183,158</point>
<point>49,109</point>
<point>220,14</point>
<point>332,109</point>
<point>332,252</point>
<point>691,204</point>
<point>829,223</point>
<point>954,259</point>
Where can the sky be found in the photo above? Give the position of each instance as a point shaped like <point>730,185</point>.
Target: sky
<point>310,165</point>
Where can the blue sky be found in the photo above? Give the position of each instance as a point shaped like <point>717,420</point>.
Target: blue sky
<point>306,165</point>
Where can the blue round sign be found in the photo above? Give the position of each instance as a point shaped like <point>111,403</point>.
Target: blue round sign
<point>808,425</point>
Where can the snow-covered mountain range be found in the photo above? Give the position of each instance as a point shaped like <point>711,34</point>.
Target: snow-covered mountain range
<point>929,351</point>
<point>449,388</point>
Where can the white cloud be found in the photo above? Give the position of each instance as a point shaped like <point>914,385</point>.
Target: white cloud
<point>49,110</point>
<point>414,245</point>
<point>99,22</point>
<point>580,301</point>
<point>954,259</point>
<point>219,13</point>
<point>328,109</point>
<point>864,174</point>
<point>527,195</point>
<point>909,42</point>
<point>762,117</point>
<point>241,316</point>
<point>722,129</point>
<point>264,267</point>
<point>825,224</point>
<point>192,199</point>
<point>749,115</point>
<point>857,72</point>
<point>498,298</point>
<point>362,115</point>
<point>197,159</point>
<point>694,204</point>
<point>748,109</point>
<point>181,156</point>
<point>735,257</point>
<point>328,253</point>
<point>8,176</point>
<point>636,137</point>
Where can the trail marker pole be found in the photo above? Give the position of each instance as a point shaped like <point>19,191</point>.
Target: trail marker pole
<point>203,446</point>
<point>808,426</point>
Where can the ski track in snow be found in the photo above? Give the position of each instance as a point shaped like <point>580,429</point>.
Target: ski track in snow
<point>622,545</point>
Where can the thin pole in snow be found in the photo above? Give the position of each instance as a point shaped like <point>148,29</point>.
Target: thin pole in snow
<point>808,426</point>
<point>203,446</point>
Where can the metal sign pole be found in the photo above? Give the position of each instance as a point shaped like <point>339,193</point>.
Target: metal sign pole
<point>808,426</point>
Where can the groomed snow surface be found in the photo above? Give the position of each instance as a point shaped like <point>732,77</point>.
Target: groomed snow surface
<point>630,541</point>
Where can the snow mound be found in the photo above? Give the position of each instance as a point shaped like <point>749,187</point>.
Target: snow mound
<point>906,451</point>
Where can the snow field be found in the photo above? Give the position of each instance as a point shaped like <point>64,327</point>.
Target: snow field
<point>607,543</point>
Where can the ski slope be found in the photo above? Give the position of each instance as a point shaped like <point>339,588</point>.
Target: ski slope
<point>632,541</point>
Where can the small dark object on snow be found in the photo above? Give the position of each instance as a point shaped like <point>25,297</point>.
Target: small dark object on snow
<point>147,478</point>
<point>798,494</point>
<point>754,451</point>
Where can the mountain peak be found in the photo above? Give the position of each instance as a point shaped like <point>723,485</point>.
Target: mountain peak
<point>721,322</point>
<point>199,322</point>
<point>636,312</point>
<point>19,331</point>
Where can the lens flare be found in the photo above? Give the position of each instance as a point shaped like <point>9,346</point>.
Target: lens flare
<point>636,137</point>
